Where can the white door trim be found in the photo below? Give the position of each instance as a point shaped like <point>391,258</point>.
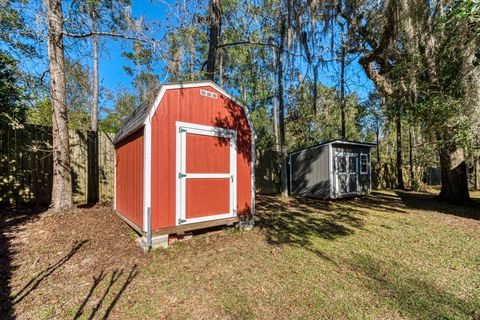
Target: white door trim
<point>182,128</point>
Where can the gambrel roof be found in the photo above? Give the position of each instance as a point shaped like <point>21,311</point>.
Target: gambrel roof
<point>138,117</point>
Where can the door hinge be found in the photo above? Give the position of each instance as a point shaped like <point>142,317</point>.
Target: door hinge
<point>181,175</point>
<point>180,221</point>
<point>182,130</point>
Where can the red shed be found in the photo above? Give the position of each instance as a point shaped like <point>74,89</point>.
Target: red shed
<point>188,159</point>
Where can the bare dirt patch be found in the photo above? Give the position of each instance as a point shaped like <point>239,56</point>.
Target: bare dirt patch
<point>53,257</point>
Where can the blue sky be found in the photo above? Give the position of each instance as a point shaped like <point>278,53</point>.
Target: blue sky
<point>111,62</point>
<point>113,77</point>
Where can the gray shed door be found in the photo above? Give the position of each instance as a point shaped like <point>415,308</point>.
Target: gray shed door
<point>346,173</point>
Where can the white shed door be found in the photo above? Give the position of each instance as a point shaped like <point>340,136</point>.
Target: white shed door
<point>206,173</point>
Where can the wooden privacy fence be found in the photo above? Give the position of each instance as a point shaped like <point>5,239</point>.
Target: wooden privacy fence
<point>26,165</point>
<point>267,172</point>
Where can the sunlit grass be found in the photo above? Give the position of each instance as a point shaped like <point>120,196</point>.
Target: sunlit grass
<point>382,257</point>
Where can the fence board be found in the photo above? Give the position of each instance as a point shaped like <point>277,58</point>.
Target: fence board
<point>26,165</point>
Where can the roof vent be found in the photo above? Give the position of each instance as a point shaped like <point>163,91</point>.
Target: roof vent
<point>209,94</point>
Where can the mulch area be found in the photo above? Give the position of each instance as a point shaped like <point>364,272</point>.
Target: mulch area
<point>40,252</point>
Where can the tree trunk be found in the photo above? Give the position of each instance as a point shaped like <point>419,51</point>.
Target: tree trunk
<point>315,90</point>
<point>400,184</point>
<point>93,192</point>
<point>281,111</point>
<point>220,68</point>
<point>377,138</point>
<point>254,83</point>
<point>410,147</point>
<point>191,63</point>
<point>454,175</point>
<point>62,178</point>
<point>214,35</point>
<point>94,114</point>
<point>476,168</point>
<point>343,105</point>
<point>276,136</point>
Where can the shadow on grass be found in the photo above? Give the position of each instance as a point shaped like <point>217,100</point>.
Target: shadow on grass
<point>403,201</point>
<point>411,295</point>
<point>423,201</point>
<point>378,201</point>
<point>11,219</point>
<point>300,219</point>
<point>114,278</point>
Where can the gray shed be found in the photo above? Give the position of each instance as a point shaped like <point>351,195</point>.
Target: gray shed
<point>331,170</point>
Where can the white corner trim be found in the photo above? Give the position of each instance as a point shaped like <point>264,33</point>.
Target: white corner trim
<point>330,170</point>
<point>147,171</point>
<point>114,178</point>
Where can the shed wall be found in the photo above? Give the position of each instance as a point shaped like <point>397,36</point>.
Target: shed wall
<point>309,173</point>
<point>187,105</point>
<point>129,177</point>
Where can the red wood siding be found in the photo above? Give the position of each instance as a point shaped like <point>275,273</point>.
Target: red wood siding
<point>129,177</point>
<point>187,105</point>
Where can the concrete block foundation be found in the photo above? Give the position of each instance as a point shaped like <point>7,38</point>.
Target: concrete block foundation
<point>158,242</point>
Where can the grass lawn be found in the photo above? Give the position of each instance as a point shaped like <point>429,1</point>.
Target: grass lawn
<point>392,255</point>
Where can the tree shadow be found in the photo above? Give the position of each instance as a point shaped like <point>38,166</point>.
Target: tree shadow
<point>236,119</point>
<point>295,223</point>
<point>410,294</point>
<point>11,218</point>
<point>114,278</point>
<point>93,171</point>
<point>377,201</point>
<point>25,165</point>
<point>80,154</point>
<point>39,277</point>
<point>267,172</point>
<point>422,201</point>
